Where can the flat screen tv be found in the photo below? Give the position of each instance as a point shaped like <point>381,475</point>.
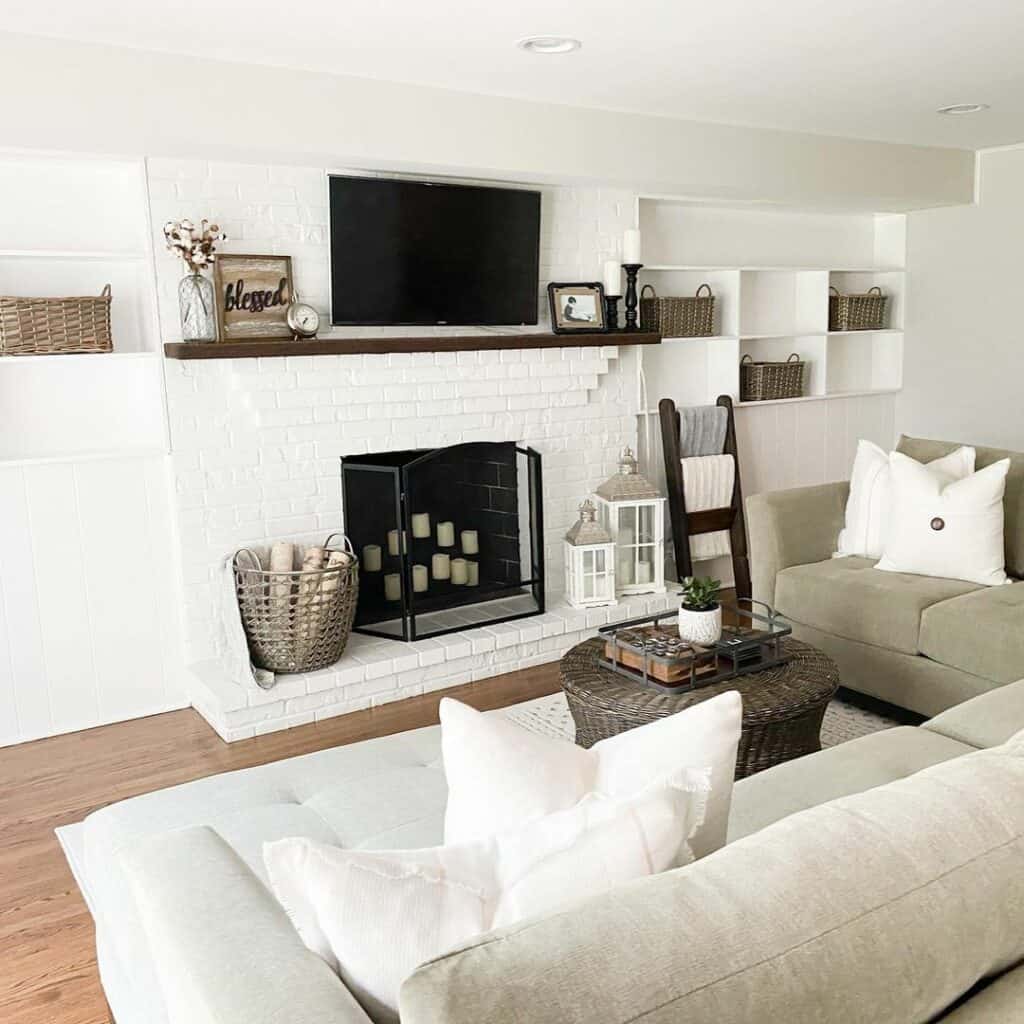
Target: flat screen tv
<point>418,252</point>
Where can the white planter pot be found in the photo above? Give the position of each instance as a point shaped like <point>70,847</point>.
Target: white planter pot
<point>700,627</point>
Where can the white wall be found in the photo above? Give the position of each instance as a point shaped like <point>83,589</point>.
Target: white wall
<point>95,98</point>
<point>964,356</point>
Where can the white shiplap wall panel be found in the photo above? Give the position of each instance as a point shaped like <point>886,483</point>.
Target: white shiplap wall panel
<point>89,630</point>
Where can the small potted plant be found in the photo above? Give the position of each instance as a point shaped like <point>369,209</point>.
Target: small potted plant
<point>700,614</point>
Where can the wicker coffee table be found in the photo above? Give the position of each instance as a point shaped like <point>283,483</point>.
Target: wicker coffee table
<point>782,706</point>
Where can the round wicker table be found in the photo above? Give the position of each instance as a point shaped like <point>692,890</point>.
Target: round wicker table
<point>782,706</point>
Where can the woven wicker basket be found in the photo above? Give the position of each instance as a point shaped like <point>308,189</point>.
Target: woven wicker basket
<point>760,382</point>
<point>297,621</point>
<point>44,327</point>
<point>857,312</point>
<point>678,317</point>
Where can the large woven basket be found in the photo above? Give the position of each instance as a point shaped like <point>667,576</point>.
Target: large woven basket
<point>678,316</point>
<point>44,327</point>
<point>297,621</point>
<point>761,382</point>
<point>864,312</point>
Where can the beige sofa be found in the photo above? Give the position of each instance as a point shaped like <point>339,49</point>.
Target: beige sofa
<point>925,644</point>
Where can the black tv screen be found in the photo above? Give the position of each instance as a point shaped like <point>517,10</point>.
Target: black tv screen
<point>417,252</point>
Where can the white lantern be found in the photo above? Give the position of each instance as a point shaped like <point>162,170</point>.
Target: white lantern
<point>589,562</point>
<point>633,512</point>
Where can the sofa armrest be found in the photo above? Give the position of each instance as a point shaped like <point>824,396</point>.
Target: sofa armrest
<point>794,527</point>
<point>224,949</point>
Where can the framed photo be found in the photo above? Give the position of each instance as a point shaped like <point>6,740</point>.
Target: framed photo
<point>252,295</point>
<point>576,307</point>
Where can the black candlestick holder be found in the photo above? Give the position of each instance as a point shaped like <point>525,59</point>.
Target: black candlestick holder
<point>611,312</point>
<point>631,269</point>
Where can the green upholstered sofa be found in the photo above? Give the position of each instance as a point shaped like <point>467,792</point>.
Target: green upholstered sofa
<point>925,644</point>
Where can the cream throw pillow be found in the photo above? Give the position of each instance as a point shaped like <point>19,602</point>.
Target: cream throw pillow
<point>501,775</point>
<point>950,530</point>
<point>375,916</point>
<point>868,506</point>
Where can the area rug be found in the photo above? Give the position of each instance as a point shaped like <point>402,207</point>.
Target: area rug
<point>844,721</point>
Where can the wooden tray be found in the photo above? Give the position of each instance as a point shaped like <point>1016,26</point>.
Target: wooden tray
<point>669,660</point>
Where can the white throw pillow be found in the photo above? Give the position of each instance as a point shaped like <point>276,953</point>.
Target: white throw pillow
<point>868,507</point>
<point>375,916</point>
<point>951,530</point>
<point>500,775</point>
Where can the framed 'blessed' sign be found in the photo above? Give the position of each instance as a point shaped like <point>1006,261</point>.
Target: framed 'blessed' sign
<point>253,294</point>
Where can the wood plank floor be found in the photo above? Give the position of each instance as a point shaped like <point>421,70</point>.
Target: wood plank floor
<point>47,946</point>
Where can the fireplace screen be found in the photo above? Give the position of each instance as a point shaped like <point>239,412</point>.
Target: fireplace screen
<point>448,538</point>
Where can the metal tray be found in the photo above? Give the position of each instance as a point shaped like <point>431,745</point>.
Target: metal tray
<point>653,646</point>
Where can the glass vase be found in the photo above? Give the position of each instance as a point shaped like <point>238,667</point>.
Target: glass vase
<point>195,303</point>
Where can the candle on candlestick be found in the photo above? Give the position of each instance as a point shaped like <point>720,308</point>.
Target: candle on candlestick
<point>470,542</point>
<point>446,535</point>
<point>421,524</point>
<point>393,586</point>
<point>643,572</point>
<point>472,574</point>
<point>612,277</point>
<point>371,558</point>
<point>441,567</point>
<point>393,542</point>
<point>631,246</point>
<point>419,578</point>
<point>460,572</point>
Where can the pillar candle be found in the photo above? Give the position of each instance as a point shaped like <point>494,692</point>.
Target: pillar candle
<point>393,542</point>
<point>419,578</point>
<point>612,277</point>
<point>643,572</point>
<point>470,542</point>
<point>393,586</point>
<point>472,574</point>
<point>441,567</point>
<point>460,573</point>
<point>421,524</point>
<point>371,558</point>
<point>446,535</point>
<point>631,246</point>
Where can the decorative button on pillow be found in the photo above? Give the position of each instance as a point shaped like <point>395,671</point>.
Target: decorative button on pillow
<point>376,916</point>
<point>953,530</point>
<point>500,775</point>
<point>868,506</point>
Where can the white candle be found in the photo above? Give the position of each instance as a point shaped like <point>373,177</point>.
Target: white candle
<point>612,277</point>
<point>419,578</point>
<point>472,574</point>
<point>470,542</point>
<point>441,567</point>
<point>393,542</point>
<point>460,572</point>
<point>643,572</point>
<point>631,246</point>
<point>421,524</point>
<point>393,586</point>
<point>446,535</point>
<point>371,558</point>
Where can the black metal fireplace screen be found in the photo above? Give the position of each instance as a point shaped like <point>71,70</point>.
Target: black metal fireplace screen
<point>448,538</point>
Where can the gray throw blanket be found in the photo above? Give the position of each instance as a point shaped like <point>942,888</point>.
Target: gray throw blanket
<point>702,430</point>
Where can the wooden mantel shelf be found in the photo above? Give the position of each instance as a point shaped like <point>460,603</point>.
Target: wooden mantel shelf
<point>363,346</point>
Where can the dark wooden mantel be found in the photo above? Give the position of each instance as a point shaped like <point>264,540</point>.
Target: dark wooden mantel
<point>363,346</point>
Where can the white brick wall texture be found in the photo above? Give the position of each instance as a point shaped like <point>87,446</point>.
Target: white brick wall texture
<point>256,442</point>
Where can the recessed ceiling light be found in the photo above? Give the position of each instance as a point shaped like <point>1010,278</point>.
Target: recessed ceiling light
<point>963,108</point>
<point>549,44</point>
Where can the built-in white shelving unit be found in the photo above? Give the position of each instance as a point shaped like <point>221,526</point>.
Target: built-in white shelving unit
<point>771,269</point>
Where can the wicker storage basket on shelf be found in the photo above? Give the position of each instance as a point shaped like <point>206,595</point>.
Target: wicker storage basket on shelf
<point>676,316</point>
<point>297,621</point>
<point>857,312</point>
<point>44,327</point>
<point>760,382</point>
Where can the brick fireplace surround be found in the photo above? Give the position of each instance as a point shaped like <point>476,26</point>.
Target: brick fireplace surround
<point>256,456</point>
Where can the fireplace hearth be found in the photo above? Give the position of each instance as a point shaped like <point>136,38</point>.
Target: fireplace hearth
<point>448,538</point>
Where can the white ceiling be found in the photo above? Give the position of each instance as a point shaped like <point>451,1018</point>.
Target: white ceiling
<point>874,69</point>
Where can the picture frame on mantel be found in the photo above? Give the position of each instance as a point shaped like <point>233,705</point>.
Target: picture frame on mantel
<point>577,308</point>
<point>252,295</point>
